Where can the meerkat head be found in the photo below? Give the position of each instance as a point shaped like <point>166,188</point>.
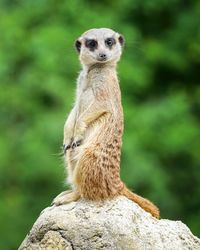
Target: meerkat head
<point>97,46</point>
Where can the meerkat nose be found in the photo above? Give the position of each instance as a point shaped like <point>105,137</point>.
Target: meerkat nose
<point>102,56</point>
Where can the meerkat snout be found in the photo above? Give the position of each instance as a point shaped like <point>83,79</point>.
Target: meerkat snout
<point>102,57</point>
<point>103,46</point>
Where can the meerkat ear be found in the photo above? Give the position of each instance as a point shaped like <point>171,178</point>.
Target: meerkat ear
<point>121,40</point>
<point>78,45</point>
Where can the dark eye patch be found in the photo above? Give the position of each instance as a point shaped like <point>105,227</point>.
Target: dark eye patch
<point>110,42</point>
<point>91,44</point>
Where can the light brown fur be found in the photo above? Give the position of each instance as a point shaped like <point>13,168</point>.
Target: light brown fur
<point>96,123</point>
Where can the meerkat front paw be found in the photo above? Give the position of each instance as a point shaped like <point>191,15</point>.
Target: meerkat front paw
<point>72,145</point>
<point>66,147</point>
<point>76,144</point>
<point>77,141</point>
<point>67,144</point>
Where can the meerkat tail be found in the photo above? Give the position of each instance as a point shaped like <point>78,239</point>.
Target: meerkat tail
<point>145,204</point>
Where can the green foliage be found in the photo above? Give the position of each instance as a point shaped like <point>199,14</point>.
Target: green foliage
<point>159,75</point>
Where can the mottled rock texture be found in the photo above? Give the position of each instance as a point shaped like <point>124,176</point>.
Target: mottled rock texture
<point>112,225</point>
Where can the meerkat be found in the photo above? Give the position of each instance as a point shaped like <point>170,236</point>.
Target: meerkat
<point>94,128</point>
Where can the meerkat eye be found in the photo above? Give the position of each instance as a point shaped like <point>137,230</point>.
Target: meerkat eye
<point>109,42</point>
<point>91,44</point>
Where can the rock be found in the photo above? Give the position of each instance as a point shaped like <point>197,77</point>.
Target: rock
<point>119,224</point>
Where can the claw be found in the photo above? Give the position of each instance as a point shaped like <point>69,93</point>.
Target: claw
<point>66,147</point>
<point>73,145</point>
<point>76,144</point>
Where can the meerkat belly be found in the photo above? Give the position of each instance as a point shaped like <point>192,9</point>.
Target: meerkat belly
<point>102,137</point>
<point>99,175</point>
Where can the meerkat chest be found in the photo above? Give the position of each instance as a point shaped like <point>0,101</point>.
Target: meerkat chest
<point>86,99</point>
<point>85,96</point>
<point>87,89</point>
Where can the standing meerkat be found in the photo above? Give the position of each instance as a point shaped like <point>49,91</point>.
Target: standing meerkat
<point>94,128</point>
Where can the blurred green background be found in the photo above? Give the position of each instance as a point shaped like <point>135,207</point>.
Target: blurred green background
<point>159,78</point>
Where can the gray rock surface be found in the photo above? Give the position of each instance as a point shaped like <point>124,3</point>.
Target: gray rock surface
<point>119,224</point>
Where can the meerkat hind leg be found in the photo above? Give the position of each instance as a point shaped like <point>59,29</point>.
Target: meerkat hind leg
<point>66,197</point>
